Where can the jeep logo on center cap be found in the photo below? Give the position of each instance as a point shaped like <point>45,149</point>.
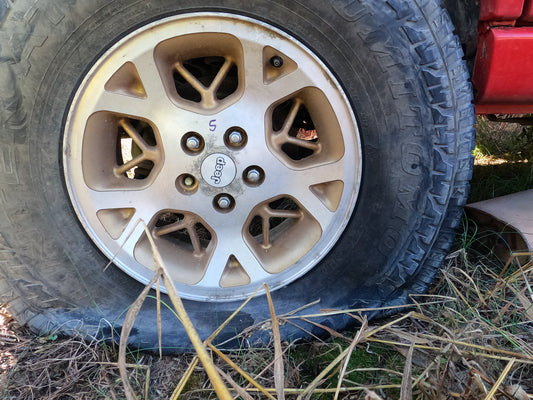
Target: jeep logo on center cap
<point>218,170</point>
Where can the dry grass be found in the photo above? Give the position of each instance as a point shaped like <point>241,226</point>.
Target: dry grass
<point>502,141</point>
<point>503,159</point>
<point>470,338</point>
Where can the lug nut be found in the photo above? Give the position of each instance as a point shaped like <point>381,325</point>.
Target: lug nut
<point>253,176</point>
<point>224,202</point>
<point>186,184</point>
<point>193,143</point>
<point>235,137</point>
<point>276,62</point>
<point>188,181</point>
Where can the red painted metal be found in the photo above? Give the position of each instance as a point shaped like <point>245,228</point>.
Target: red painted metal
<point>503,74</point>
<point>501,10</point>
<point>527,14</point>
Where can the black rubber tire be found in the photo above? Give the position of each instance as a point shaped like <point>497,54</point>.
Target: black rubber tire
<point>401,67</point>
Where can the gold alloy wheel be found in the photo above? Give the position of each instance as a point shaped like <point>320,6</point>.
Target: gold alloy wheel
<point>228,138</point>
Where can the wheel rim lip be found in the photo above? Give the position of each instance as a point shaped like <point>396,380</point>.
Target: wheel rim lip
<point>140,272</point>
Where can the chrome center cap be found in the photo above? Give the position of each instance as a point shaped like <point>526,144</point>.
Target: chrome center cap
<point>218,170</point>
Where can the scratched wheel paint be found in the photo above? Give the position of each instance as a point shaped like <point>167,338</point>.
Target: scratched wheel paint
<point>229,139</point>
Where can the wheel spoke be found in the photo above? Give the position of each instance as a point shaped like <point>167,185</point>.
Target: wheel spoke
<point>287,85</point>
<point>215,268</point>
<point>131,234</point>
<point>316,208</point>
<point>134,134</point>
<point>195,241</point>
<point>156,99</point>
<point>251,265</point>
<point>151,153</point>
<point>255,77</point>
<point>284,214</point>
<point>150,78</point>
<point>222,74</point>
<point>299,187</point>
<point>306,144</point>
<point>116,199</point>
<point>121,104</point>
<point>253,65</point>
<point>266,213</point>
<point>300,180</point>
<point>208,94</point>
<point>265,229</point>
<point>121,169</point>
<point>225,249</point>
<point>289,121</point>
<point>176,226</point>
<point>191,79</point>
<point>321,174</point>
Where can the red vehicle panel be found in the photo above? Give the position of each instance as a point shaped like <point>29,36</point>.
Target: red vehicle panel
<point>504,68</point>
<point>504,63</point>
<point>527,15</point>
<point>498,10</point>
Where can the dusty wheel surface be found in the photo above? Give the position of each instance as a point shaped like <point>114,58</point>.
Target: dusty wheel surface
<point>237,148</point>
<point>323,149</point>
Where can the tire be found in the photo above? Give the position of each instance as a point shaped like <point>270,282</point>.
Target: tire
<point>361,194</point>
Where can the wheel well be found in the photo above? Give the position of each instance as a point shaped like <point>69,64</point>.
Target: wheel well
<point>465,18</point>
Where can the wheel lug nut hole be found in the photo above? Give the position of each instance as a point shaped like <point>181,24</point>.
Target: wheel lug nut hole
<point>224,203</point>
<point>186,184</point>
<point>192,143</point>
<point>253,175</point>
<point>235,138</point>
